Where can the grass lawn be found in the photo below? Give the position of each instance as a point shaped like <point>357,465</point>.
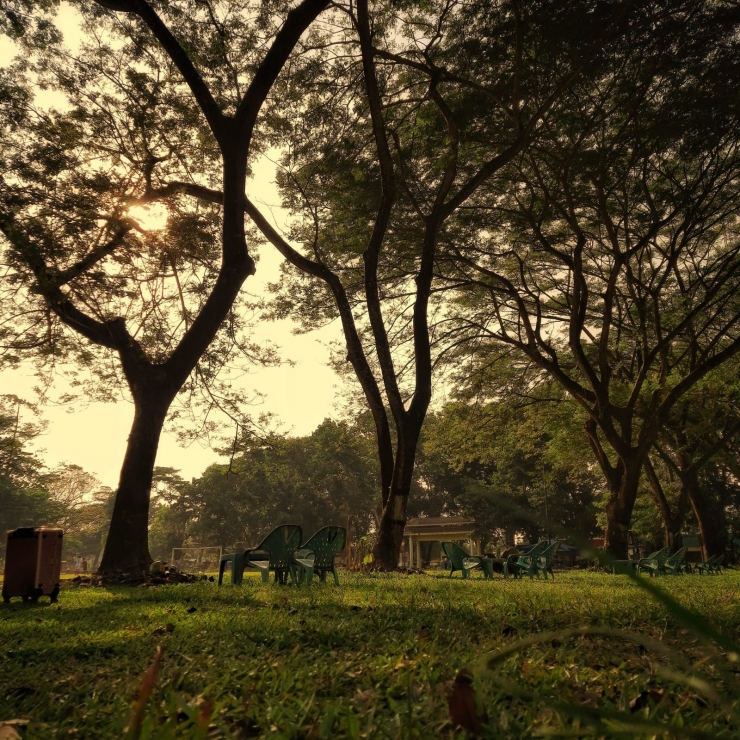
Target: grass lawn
<point>374,658</point>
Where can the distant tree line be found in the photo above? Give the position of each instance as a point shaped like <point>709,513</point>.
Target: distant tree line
<point>32,496</point>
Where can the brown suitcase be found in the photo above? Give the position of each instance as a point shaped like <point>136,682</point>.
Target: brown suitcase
<point>33,561</point>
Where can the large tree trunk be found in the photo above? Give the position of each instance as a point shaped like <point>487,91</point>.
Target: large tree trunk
<point>619,509</point>
<point>710,515</point>
<point>127,546</point>
<point>390,532</point>
<point>393,519</point>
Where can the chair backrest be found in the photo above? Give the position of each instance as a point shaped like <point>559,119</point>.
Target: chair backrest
<point>325,544</point>
<point>659,555</point>
<point>455,554</point>
<point>533,555</point>
<point>677,557</point>
<point>549,552</point>
<point>281,543</point>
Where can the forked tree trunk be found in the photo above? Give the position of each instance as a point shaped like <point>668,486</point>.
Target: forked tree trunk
<point>127,546</point>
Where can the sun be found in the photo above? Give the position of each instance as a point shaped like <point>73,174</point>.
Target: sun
<point>150,217</point>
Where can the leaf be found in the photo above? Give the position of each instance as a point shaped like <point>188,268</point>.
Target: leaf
<point>365,697</point>
<point>147,686</point>
<point>205,710</point>
<point>8,729</point>
<point>463,712</point>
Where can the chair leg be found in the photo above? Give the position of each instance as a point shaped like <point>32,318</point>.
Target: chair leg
<point>336,576</point>
<point>238,570</point>
<point>221,568</point>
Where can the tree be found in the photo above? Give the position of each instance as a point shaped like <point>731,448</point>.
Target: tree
<point>412,109</point>
<point>608,252</point>
<point>82,269</point>
<point>84,506</point>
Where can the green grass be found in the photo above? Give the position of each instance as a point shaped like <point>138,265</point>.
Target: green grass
<point>373,658</point>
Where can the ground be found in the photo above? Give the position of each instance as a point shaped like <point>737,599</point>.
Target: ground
<point>376,657</point>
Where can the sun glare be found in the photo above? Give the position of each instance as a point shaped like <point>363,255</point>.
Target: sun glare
<point>151,218</point>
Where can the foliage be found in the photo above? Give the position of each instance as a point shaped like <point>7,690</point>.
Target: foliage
<point>312,481</point>
<point>25,499</point>
<point>32,496</point>
<point>515,469</point>
<point>375,657</point>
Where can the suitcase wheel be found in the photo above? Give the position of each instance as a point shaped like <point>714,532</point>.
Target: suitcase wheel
<point>33,595</point>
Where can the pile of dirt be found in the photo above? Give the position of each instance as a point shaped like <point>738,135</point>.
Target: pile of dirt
<point>172,575</point>
<point>165,576</point>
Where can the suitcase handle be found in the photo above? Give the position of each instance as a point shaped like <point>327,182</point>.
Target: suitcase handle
<point>23,532</point>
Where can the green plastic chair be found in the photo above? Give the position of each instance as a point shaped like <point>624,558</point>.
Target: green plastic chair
<point>543,564</point>
<point>711,565</point>
<point>675,564</point>
<point>654,562</point>
<point>274,553</point>
<point>317,555</point>
<point>460,560</point>
<point>525,564</point>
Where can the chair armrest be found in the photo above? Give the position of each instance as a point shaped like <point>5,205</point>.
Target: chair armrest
<point>249,556</point>
<point>304,555</point>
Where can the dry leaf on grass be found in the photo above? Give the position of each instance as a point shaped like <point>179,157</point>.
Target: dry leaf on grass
<point>366,697</point>
<point>463,712</point>
<point>147,686</point>
<point>205,710</point>
<point>9,728</point>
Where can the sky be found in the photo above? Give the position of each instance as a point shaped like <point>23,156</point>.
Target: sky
<point>93,435</point>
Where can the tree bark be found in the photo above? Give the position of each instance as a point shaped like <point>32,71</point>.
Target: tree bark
<point>390,532</point>
<point>393,518</point>
<point>127,546</point>
<point>619,508</point>
<point>672,521</point>
<point>710,516</point>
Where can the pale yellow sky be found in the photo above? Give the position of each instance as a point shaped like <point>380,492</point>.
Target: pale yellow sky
<point>94,435</point>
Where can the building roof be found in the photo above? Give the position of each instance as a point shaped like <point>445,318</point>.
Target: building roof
<point>446,524</point>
